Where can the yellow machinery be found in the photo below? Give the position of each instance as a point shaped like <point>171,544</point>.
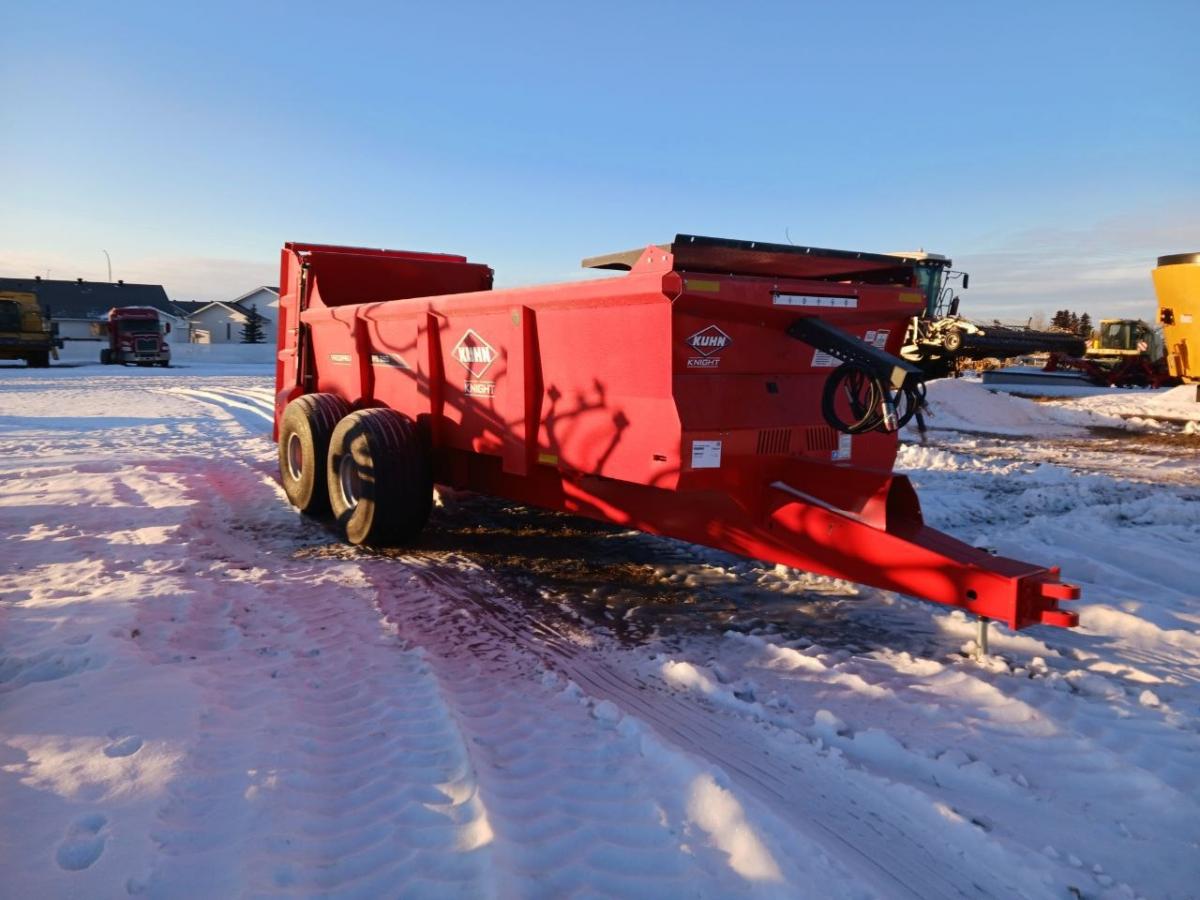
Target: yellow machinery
<point>25,333</point>
<point>1117,339</point>
<point>1177,283</point>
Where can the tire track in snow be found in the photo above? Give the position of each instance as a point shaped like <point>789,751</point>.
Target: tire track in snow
<point>902,790</point>
<point>578,800</point>
<point>326,761</point>
<point>895,848</point>
<point>342,758</point>
<point>264,397</point>
<point>249,412</point>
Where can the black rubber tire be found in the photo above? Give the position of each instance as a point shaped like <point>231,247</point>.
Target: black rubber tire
<point>390,457</point>
<point>952,340</point>
<point>38,360</point>
<point>106,357</point>
<point>310,421</point>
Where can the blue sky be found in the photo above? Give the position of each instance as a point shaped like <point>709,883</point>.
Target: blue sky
<point>1049,148</point>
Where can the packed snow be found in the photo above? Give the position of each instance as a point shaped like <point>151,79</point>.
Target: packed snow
<point>1178,405</point>
<point>958,404</point>
<point>203,694</point>
<point>1147,407</point>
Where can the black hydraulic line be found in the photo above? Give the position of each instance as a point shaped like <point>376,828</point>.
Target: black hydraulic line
<point>882,391</point>
<point>891,370</point>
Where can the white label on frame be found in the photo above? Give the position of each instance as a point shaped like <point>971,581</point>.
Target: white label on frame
<point>706,454</point>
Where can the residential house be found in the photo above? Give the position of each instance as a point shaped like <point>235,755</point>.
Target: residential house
<point>222,321</point>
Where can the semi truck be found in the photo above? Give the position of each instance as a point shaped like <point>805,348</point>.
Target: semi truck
<point>137,335</point>
<point>26,332</point>
<point>737,394</point>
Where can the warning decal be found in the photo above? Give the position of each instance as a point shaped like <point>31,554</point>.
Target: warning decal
<point>706,454</point>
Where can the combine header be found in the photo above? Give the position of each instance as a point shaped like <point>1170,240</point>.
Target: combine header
<point>938,337</point>
<point>741,395</point>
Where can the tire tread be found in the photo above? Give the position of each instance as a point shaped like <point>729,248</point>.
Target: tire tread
<point>402,493</point>
<point>314,417</point>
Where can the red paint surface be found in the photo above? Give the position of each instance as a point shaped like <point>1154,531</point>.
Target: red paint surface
<point>588,396</point>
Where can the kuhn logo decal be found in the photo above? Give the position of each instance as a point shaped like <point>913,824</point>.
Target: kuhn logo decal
<point>709,341</point>
<point>474,353</point>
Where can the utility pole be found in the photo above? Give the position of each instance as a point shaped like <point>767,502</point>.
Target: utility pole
<point>109,258</point>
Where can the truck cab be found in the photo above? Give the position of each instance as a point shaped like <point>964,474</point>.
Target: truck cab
<point>136,334</point>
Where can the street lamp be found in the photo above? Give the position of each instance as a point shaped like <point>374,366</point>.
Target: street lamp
<point>109,258</point>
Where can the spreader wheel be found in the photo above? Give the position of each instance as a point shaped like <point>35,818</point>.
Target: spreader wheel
<point>380,480</point>
<point>304,432</point>
<point>952,340</point>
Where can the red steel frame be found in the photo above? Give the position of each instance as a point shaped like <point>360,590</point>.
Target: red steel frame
<point>590,397</point>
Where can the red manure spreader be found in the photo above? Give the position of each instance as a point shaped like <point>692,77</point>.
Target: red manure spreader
<point>740,395</point>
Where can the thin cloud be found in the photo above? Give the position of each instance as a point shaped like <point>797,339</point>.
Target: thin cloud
<point>1103,270</point>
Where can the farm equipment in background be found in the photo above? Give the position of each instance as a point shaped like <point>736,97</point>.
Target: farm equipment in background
<point>1177,283</point>
<point>136,334</point>
<point>26,332</point>
<point>1125,353</point>
<point>937,338</point>
<point>740,395</point>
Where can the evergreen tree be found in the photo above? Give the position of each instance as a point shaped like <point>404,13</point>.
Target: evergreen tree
<point>1085,326</point>
<point>1073,325</point>
<point>252,327</point>
<point>1062,319</point>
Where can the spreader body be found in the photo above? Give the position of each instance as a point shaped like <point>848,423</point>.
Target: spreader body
<point>672,398</point>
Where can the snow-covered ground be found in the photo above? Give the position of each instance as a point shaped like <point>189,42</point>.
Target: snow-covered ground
<point>183,354</point>
<point>204,695</point>
<point>1179,405</point>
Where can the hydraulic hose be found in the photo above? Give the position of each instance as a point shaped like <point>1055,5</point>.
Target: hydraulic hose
<point>871,404</point>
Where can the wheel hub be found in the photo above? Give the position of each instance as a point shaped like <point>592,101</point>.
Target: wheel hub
<point>350,481</point>
<point>295,457</point>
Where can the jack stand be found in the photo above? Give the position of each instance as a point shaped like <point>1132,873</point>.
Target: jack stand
<point>981,636</point>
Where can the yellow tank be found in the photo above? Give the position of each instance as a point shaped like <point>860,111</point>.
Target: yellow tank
<point>1177,283</point>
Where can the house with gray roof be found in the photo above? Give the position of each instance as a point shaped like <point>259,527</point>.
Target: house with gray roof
<point>221,321</point>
